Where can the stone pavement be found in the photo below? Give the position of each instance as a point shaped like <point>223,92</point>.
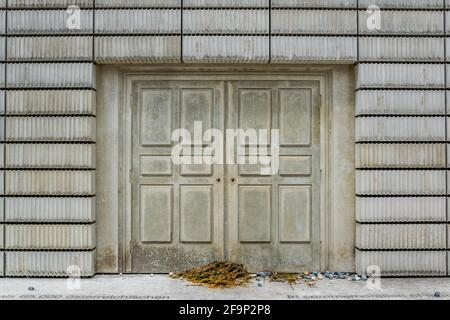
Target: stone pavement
<point>162,287</point>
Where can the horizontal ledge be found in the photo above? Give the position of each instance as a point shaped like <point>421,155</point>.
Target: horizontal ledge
<point>51,250</point>
<point>66,169</point>
<point>403,222</point>
<point>46,142</point>
<point>442,61</point>
<point>402,168</point>
<point>48,115</point>
<point>47,196</point>
<point>421,195</point>
<point>403,88</point>
<point>403,142</point>
<point>404,115</point>
<point>399,250</point>
<point>44,223</point>
<point>46,88</point>
<point>35,61</point>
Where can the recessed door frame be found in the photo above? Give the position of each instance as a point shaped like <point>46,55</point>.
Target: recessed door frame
<point>130,76</point>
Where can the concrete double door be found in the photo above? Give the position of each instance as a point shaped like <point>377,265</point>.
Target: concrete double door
<point>187,215</point>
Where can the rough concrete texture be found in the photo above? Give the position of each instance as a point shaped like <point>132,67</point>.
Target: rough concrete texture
<point>162,287</point>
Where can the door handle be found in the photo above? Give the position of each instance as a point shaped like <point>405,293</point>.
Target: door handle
<point>218,180</point>
<point>233,179</point>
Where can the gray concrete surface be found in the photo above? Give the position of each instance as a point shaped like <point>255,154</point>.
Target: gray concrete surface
<point>162,287</point>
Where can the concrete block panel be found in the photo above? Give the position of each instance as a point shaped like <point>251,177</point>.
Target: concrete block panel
<point>403,263</point>
<point>49,237</point>
<point>225,3</point>
<point>2,101</point>
<point>138,21</point>
<point>2,263</point>
<point>299,49</point>
<point>2,21</point>
<point>43,129</point>
<point>43,182</point>
<point>225,21</point>
<point>63,4</point>
<point>47,22</point>
<point>2,74</point>
<point>2,185</point>
<point>314,22</point>
<point>401,236</point>
<point>448,70</point>
<point>64,102</point>
<point>49,263</point>
<point>2,130</point>
<point>400,155</point>
<point>51,75</point>
<point>402,4</point>
<point>49,48</point>
<point>49,210</point>
<point>2,48</point>
<point>314,4</point>
<point>408,22</point>
<point>448,133</point>
<point>400,102</point>
<point>390,129</point>
<point>384,75</point>
<point>400,182</point>
<point>137,49</point>
<point>400,209</point>
<point>226,49</point>
<point>401,49</point>
<point>39,156</point>
<point>137,3</point>
<point>2,237</point>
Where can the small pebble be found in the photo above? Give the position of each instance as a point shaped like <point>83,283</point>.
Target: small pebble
<point>263,274</point>
<point>30,288</point>
<point>259,284</point>
<point>364,277</point>
<point>258,279</point>
<point>171,274</point>
<point>437,294</point>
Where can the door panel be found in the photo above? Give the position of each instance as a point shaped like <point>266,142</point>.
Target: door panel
<point>254,213</point>
<point>196,208</point>
<point>274,220</point>
<point>177,210</point>
<point>155,115</point>
<point>295,113</point>
<point>178,219</point>
<point>156,211</point>
<point>295,213</point>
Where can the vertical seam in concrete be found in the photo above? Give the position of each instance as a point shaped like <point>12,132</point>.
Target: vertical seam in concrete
<point>94,80</point>
<point>93,34</point>
<point>4,133</point>
<point>270,32</point>
<point>182,31</point>
<point>354,125</point>
<point>225,191</point>
<point>357,31</point>
<point>446,133</point>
